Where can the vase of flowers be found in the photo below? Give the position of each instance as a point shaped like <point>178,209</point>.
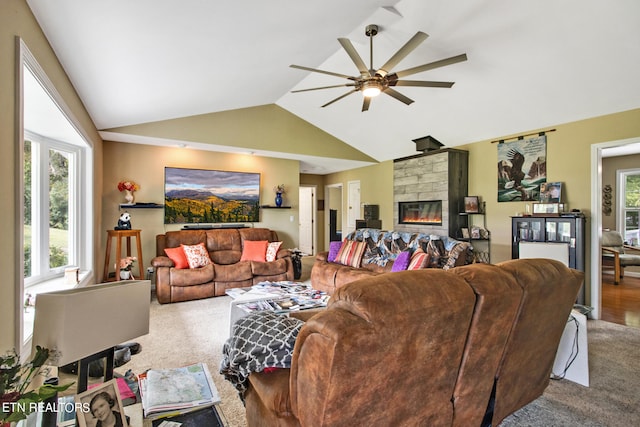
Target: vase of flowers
<point>129,187</point>
<point>279,189</point>
<point>17,400</point>
<point>126,264</point>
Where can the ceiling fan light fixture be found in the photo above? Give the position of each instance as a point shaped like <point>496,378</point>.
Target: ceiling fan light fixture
<point>371,89</point>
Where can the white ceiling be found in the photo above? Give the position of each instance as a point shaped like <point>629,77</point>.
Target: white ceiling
<point>531,64</point>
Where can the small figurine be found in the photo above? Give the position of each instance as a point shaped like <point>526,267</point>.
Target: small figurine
<point>124,222</point>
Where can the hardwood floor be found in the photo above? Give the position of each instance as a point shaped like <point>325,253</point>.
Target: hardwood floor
<point>621,303</point>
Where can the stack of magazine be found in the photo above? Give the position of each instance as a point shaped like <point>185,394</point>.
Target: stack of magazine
<point>170,392</point>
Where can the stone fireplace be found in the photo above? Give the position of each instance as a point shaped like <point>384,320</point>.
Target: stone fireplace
<point>439,176</point>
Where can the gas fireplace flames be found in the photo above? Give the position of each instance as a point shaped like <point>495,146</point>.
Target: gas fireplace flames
<point>421,212</point>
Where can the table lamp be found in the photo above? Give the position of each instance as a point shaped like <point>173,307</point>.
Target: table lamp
<point>86,323</point>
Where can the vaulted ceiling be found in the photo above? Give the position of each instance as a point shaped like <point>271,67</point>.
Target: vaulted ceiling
<point>530,64</point>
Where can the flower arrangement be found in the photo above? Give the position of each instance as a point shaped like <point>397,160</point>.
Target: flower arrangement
<point>127,263</point>
<point>15,379</point>
<point>279,189</point>
<point>128,185</point>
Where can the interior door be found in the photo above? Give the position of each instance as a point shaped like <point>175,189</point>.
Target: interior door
<point>353,212</point>
<point>307,220</point>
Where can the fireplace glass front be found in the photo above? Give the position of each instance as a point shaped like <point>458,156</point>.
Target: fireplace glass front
<point>421,212</point>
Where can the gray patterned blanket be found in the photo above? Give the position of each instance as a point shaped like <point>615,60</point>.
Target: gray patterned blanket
<point>258,341</point>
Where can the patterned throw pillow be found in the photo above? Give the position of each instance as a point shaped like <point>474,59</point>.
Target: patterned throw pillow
<point>419,260</point>
<point>334,248</point>
<point>254,250</point>
<point>272,251</point>
<point>178,257</point>
<point>197,255</point>
<point>402,261</point>
<point>351,253</point>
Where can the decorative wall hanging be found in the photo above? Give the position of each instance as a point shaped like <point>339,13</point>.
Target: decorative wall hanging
<point>522,167</point>
<point>606,200</point>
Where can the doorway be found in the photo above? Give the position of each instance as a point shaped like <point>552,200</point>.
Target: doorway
<point>307,216</point>
<point>596,223</point>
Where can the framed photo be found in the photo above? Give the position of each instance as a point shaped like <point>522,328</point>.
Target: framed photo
<point>471,204</point>
<point>551,192</point>
<point>465,233</point>
<point>475,232</point>
<point>546,209</point>
<point>101,406</point>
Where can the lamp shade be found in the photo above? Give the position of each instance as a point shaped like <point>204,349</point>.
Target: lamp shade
<point>80,322</point>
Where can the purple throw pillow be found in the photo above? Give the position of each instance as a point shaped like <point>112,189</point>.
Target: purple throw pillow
<point>402,261</point>
<point>334,248</point>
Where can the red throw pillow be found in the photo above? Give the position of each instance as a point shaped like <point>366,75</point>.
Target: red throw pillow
<point>254,250</point>
<point>351,253</point>
<point>178,257</point>
<point>419,259</point>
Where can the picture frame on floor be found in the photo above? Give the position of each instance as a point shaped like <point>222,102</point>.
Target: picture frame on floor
<point>100,405</point>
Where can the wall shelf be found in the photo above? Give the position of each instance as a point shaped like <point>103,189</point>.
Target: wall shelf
<point>274,207</point>
<point>140,205</point>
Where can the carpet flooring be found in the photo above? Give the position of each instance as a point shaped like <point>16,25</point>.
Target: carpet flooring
<point>195,331</point>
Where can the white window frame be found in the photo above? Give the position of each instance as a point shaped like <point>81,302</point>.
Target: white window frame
<point>621,223</point>
<point>40,207</point>
<point>80,206</point>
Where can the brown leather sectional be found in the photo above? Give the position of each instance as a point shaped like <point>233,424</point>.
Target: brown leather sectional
<point>328,276</point>
<point>226,271</point>
<point>464,347</point>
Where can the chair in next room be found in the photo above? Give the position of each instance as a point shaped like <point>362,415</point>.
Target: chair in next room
<point>615,254</point>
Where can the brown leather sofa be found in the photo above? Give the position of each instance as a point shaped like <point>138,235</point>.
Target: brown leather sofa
<point>464,347</point>
<point>382,248</point>
<point>226,271</point>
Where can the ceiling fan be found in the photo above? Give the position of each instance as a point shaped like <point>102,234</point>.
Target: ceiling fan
<point>372,82</point>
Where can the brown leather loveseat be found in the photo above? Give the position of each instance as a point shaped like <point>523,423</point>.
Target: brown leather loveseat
<point>464,347</point>
<point>224,246</point>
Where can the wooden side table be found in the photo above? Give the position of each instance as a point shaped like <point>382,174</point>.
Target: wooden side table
<point>119,235</point>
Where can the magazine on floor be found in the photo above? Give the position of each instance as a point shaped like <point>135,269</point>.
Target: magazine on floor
<point>169,392</point>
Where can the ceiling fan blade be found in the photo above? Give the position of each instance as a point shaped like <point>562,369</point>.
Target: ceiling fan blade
<point>421,83</point>
<point>405,50</point>
<point>432,65</point>
<point>397,95</point>
<point>365,103</point>
<point>355,57</point>
<point>340,97</point>
<point>315,70</point>
<point>323,87</point>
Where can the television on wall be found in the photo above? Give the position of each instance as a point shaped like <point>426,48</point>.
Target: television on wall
<point>200,196</point>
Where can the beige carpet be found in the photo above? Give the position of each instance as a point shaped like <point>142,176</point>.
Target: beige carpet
<point>185,333</point>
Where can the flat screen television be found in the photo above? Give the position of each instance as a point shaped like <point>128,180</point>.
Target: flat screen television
<point>200,196</point>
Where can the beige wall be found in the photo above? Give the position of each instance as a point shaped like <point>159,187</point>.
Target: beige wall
<point>144,164</point>
<point>16,20</point>
<point>568,161</point>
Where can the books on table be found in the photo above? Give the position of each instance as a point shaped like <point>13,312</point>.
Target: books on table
<point>169,392</point>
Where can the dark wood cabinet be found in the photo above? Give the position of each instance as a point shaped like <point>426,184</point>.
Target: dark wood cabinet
<point>555,237</point>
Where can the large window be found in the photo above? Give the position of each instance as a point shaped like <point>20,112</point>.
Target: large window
<point>55,175</point>
<point>629,205</point>
<point>50,168</point>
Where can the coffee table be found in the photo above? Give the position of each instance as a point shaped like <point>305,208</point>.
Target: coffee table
<point>281,297</point>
